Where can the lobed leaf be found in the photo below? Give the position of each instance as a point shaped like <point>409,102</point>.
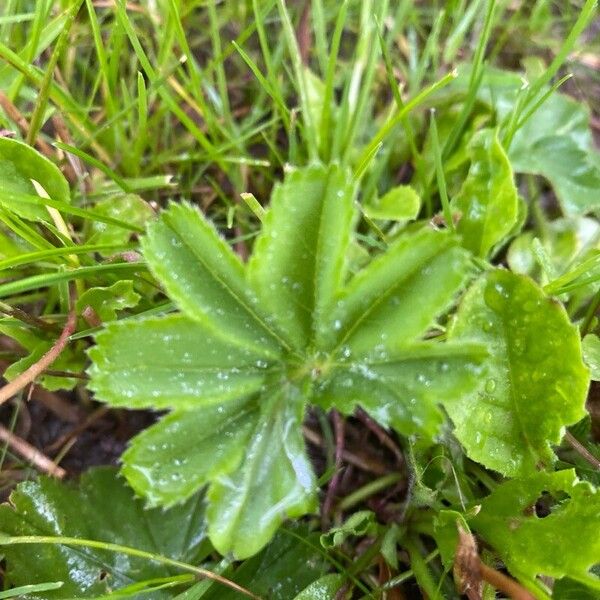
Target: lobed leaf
<point>171,362</point>
<point>488,199</point>
<point>397,297</point>
<point>173,459</point>
<point>297,265</point>
<point>538,382</point>
<point>530,545</point>
<point>405,390</point>
<point>203,276</point>
<point>275,479</point>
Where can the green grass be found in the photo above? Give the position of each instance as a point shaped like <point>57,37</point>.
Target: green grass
<point>144,103</point>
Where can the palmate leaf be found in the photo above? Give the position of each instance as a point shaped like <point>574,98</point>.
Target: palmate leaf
<point>172,362</point>
<point>538,384</point>
<point>530,545</point>
<point>254,346</point>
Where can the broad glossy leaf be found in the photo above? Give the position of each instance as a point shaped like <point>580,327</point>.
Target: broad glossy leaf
<point>171,460</point>
<point>205,278</point>
<point>537,384</point>
<point>397,297</point>
<point>19,164</point>
<point>275,479</point>
<point>591,354</point>
<point>298,261</point>
<point>171,362</point>
<point>322,589</point>
<point>100,508</point>
<point>106,301</point>
<point>530,545</point>
<point>401,203</point>
<point>405,390</point>
<point>488,199</point>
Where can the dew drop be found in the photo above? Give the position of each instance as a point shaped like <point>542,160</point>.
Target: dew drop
<point>490,386</point>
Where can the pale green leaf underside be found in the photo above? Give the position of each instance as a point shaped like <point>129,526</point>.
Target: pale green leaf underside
<point>405,391</point>
<point>171,460</point>
<point>397,297</point>
<point>274,481</point>
<point>19,164</point>
<point>298,261</point>
<point>538,382</point>
<point>171,362</point>
<point>205,278</point>
<point>488,199</point>
<point>531,546</point>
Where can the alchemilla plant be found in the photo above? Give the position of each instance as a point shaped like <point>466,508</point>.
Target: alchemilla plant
<point>255,345</point>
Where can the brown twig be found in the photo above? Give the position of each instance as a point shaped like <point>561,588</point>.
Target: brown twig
<point>505,584</point>
<point>35,370</point>
<point>71,435</point>
<point>339,429</point>
<point>31,453</point>
<point>470,571</point>
<point>303,33</point>
<point>361,462</point>
<point>381,434</point>
<point>15,115</point>
<point>582,450</point>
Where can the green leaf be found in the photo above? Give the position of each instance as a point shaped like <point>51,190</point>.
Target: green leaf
<point>275,479</point>
<point>529,545</point>
<point>591,354</point>
<point>297,265</point>
<point>488,199</point>
<point>556,143</point>
<point>171,460</point>
<point>538,382</point>
<point>253,347</point>
<point>401,203</point>
<point>171,362</point>
<point>322,589</point>
<point>205,278</point>
<point>101,508</point>
<point>359,524</point>
<point>404,390</point>
<point>129,208</point>
<point>287,565</point>
<point>19,164</point>
<point>106,301</point>
<point>396,298</point>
